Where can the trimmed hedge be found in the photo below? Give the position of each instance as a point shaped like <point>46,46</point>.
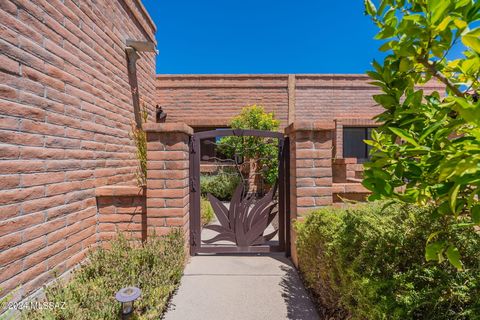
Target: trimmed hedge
<point>368,262</point>
<point>155,267</point>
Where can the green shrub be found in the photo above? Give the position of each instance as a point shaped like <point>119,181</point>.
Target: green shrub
<point>155,267</point>
<point>368,262</point>
<point>206,211</point>
<point>221,185</point>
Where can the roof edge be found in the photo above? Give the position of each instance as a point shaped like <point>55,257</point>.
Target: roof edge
<point>146,14</point>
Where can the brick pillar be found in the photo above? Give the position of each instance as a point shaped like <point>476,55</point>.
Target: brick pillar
<point>167,176</point>
<point>311,154</point>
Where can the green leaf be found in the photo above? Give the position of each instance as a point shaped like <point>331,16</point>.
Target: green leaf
<point>472,39</point>
<point>386,46</point>
<point>430,129</point>
<point>413,17</point>
<point>375,185</point>
<point>460,24</point>
<point>385,100</point>
<point>377,66</point>
<point>433,235</point>
<point>453,256</point>
<point>405,65</point>
<point>475,212</point>
<point>469,111</point>
<point>383,5</point>
<point>434,251</point>
<point>404,135</point>
<point>444,24</point>
<point>437,8</point>
<point>462,3</point>
<point>453,198</point>
<point>370,8</point>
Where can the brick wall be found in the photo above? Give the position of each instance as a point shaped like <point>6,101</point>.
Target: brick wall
<point>195,98</point>
<point>310,170</point>
<point>167,177</point>
<point>65,114</point>
<point>310,165</point>
<point>121,209</point>
<point>328,97</point>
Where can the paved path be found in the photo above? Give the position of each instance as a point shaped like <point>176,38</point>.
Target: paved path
<point>241,288</point>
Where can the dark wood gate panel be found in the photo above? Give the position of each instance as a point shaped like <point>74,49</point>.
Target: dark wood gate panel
<point>242,224</point>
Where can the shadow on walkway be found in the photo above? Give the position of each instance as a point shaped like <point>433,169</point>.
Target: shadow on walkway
<point>299,305</point>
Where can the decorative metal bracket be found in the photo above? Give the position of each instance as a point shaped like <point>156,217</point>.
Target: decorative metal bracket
<point>141,46</point>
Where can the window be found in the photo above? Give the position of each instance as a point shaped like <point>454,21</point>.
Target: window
<point>353,145</point>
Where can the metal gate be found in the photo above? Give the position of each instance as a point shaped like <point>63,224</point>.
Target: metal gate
<point>255,218</point>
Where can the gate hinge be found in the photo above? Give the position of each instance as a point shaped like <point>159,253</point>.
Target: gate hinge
<point>192,145</point>
<point>194,238</point>
<point>193,184</point>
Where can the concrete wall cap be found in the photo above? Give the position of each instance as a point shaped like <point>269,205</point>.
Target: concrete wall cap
<point>344,161</point>
<point>208,122</point>
<point>116,191</point>
<point>178,127</point>
<point>310,126</point>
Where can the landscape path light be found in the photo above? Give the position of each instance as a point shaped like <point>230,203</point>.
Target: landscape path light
<point>127,296</point>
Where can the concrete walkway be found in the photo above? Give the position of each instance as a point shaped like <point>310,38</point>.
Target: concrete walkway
<point>241,287</point>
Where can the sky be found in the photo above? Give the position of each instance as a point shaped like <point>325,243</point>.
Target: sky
<point>263,36</point>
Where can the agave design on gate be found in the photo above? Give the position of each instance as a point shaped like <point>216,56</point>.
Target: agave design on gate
<point>240,224</point>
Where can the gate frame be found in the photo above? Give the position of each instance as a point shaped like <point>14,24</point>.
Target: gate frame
<point>283,192</point>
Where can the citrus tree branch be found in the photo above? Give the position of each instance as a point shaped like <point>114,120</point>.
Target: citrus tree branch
<point>431,68</point>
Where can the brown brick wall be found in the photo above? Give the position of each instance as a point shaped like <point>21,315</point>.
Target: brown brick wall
<point>310,165</point>
<point>211,100</point>
<point>167,176</point>
<point>328,97</point>
<point>310,170</point>
<point>65,114</point>
<point>192,98</point>
<point>121,209</point>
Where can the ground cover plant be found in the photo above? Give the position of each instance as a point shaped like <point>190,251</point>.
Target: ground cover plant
<point>155,267</point>
<point>367,262</point>
<point>206,211</point>
<point>221,184</point>
<point>427,149</point>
